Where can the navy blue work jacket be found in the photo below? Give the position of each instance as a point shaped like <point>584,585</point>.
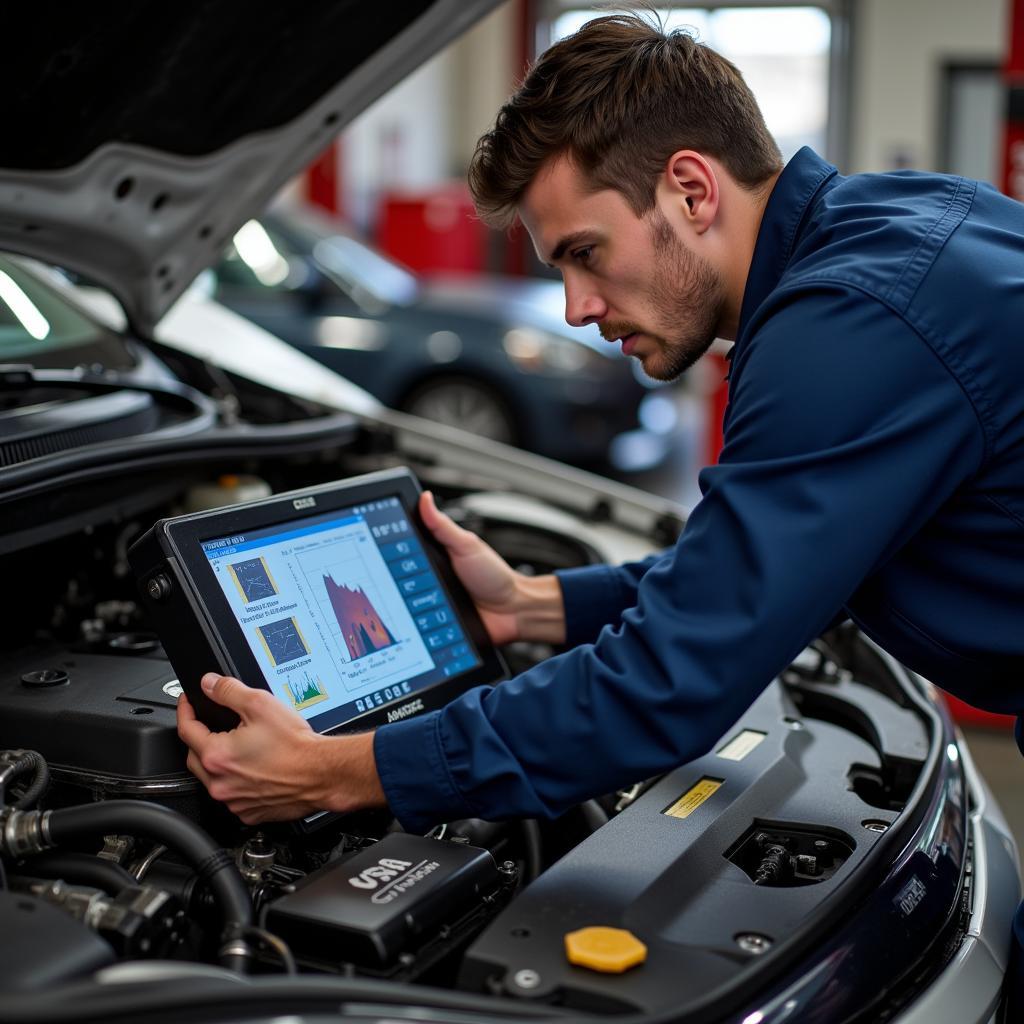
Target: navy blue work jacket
<point>873,465</point>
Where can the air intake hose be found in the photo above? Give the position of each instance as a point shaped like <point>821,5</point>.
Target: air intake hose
<point>151,821</point>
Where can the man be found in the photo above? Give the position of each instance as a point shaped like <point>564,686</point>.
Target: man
<point>873,464</point>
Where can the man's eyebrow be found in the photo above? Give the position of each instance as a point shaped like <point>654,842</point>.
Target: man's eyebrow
<point>566,242</point>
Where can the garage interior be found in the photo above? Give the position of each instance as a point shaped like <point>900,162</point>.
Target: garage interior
<point>882,85</point>
<point>221,400</point>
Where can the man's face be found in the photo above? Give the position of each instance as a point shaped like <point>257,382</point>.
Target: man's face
<point>633,276</point>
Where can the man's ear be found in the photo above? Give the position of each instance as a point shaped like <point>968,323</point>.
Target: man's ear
<point>692,189</point>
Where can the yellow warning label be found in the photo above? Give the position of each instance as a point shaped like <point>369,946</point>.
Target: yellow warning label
<point>693,798</point>
<point>739,746</point>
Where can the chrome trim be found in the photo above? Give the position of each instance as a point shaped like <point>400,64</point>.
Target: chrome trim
<point>236,947</point>
<point>44,829</point>
<point>25,833</point>
<point>969,989</point>
<point>184,783</point>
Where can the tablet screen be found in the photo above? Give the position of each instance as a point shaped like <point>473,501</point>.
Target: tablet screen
<point>341,610</point>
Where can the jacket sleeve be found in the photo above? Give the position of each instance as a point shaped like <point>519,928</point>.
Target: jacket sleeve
<point>844,434</point>
<point>595,596</point>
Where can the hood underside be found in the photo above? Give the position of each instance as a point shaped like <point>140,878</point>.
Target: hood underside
<point>140,137</point>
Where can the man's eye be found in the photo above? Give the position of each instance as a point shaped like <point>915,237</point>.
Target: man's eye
<point>583,255</point>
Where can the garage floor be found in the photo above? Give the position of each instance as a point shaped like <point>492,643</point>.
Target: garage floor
<point>999,761</point>
<point>994,751</point>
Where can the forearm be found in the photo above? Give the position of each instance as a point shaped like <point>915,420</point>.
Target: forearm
<point>346,776</point>
<point>540,612</point>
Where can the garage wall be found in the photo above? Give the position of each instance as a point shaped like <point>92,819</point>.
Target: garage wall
<point>898,49</point>
<point>423,132</point>
<point>484,75</point>
<point>401,142</point>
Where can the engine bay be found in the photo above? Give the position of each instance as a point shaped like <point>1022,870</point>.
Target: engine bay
<point>92,696</point>
<point>120,870</point>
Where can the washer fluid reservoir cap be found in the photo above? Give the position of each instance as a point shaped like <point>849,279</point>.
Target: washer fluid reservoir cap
<point>609,950</point>
<point>45,677</point>
<point>228,489</point>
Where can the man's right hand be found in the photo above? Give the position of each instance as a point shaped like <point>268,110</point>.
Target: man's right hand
<point>511,605</point>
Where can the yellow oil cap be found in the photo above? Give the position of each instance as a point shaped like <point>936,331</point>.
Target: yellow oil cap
<point>610,950</point>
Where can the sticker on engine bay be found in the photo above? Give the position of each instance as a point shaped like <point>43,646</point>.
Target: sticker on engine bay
<point>739,746</point>
<point>694,797</point>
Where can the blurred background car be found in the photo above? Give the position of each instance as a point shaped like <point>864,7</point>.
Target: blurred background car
<point>492,355</point>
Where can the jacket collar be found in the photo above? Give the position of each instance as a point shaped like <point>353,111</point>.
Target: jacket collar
<point>784,213</point>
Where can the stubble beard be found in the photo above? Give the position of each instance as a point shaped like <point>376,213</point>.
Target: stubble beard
<point>686,300</point>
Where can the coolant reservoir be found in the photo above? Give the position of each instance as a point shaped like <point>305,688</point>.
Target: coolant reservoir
<point>230,489</point>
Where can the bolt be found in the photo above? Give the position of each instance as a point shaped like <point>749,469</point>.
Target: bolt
<point>158,587</point>
<point>752,943</point>
<point>508,867</point>
<point>807,864</point>
<point>526,978</point>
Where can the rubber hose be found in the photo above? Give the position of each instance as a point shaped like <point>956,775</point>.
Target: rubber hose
<point>80,869</point>
<point>593,814</point>
<point>532,852</point>
<point>31,761</point>
<point>177,833</point>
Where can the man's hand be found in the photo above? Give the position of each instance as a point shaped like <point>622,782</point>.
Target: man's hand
<point>511,605</point>
<point>272,766</point>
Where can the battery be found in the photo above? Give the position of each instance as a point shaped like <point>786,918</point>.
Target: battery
<point>385,900</point>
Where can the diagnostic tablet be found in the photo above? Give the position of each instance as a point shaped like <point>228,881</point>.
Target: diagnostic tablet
<point>335,599</point>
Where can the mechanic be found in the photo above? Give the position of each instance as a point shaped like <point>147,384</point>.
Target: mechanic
<point>873,465</point>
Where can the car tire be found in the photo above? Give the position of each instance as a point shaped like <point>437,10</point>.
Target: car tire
<point>466,403</point>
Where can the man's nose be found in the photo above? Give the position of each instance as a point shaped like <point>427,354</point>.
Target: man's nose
<point>582,305</point>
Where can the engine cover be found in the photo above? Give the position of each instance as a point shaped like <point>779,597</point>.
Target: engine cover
<point>387,899</point>
<point>103,721</point>
<point>46,947</point>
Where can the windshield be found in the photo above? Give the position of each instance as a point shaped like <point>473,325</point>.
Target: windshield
<point>360,267</point>
<point>37,326</point>
<point>355,265</point>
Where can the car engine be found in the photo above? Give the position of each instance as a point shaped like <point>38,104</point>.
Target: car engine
<point>121,875</point>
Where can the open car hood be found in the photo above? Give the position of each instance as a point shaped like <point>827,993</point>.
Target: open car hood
<point>139,138</point>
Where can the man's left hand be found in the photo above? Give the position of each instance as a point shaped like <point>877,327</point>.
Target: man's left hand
<point>272,766</point>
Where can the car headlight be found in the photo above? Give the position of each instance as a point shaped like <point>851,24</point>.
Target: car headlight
<point>535,351</point>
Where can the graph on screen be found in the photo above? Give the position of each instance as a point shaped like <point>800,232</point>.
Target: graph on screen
<point>253,579</point>
<point>358,611</point>
<point>361,626</point>
<point>283,641</point>
<point>305,691</point>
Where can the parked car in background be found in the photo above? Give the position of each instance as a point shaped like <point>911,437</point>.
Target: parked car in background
<point>492,355</point>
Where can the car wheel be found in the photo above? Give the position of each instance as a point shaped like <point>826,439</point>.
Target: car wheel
<point>465,403</point>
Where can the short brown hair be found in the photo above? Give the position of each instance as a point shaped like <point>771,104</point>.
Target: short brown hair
<point>620,96</point>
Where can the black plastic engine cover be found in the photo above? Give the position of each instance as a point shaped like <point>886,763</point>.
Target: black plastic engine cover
<point>661,869</point>
<point>45,946</point>
<point>372,907</point>
<point>94,717</point>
